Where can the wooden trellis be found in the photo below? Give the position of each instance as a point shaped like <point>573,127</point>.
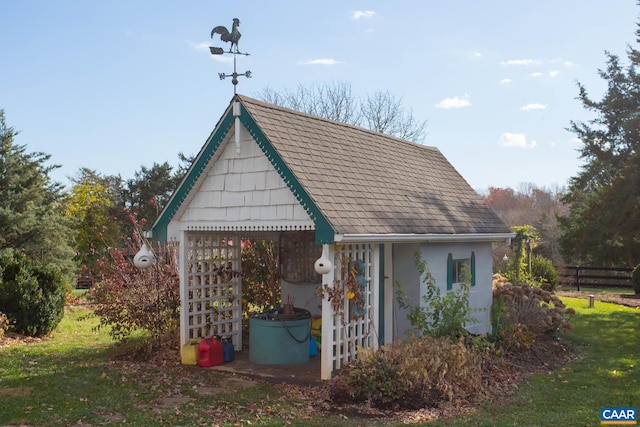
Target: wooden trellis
<point>212,299</point>
<point>350,319</point>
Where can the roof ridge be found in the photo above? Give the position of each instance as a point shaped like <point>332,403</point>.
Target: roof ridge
<point>248,99</point>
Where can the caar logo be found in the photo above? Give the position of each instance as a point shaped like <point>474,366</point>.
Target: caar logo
<point>618,416</point>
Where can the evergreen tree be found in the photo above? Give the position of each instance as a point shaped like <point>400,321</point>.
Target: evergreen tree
<point>32,205</point>
<point>603,225</point>
<point>150,190</point>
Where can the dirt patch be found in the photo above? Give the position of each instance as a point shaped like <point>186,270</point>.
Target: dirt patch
<point>15,391</point>
<point>171,401</point>
<point>11,338</point>
<point>232,383</point>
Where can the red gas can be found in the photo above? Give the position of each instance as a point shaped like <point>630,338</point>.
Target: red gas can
<point>210,352</point>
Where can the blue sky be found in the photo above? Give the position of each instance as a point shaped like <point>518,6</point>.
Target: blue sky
<point>118,84</point>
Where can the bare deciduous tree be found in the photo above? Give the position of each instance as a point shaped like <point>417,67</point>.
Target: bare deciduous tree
<point>380,112</point>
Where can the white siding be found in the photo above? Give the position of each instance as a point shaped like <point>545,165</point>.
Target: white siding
<point>243,187</point>
<point>480,295</point>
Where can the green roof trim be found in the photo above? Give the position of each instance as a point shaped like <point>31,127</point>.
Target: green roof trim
<point>159,229</point>
<point>325,234</point>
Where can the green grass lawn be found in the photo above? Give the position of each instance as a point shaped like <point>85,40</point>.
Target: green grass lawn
<point>605,373</point>
<point>72,378</point>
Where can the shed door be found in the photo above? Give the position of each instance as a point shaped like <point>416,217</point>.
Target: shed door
<point>212,303</point>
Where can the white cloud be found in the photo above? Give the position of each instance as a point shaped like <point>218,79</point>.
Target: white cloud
<point>358,14</point>
<point>505,81</point>
<point>509,139</point>
<point>569,64</point>
<point>554,73</point>
<point>537,74</point>
<point>521,62</point>
<point>477,54</point>
<point>534,106</point>
<point>204,47</point>
<point>320,61</point>
<point>455,102</point>
<point>200,47</point>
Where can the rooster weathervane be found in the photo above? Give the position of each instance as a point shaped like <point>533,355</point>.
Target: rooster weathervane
<point>233,37</point>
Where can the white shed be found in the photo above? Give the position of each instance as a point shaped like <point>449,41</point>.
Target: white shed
<point>317,186</point>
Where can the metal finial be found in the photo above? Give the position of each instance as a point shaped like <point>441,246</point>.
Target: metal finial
<point>233,37</point>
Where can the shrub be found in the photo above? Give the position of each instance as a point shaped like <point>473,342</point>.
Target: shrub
<point>32,294</point>
<point>441,316</point>
<point>635,279</point>
<point>4,325</point>
<point>414,373</point>
<point>521,314</point>
<point>261,289</point>
<point>544,273</point>
<point>128,299</point>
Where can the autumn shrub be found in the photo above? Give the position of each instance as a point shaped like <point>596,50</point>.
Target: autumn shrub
<point>128,299</point>
<point>414,373</point>
<point>521,314</point>
<point>32,294</point>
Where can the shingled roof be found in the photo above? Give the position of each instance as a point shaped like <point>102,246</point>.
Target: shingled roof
<point>368,183</point>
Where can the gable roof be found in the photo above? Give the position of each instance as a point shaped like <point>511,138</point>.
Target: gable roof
<point>352,181</point>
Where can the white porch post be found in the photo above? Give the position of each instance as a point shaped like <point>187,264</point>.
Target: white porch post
<point>183,252</point>
<point>375,295</point>
<point>326,354</point>
<point>388,293</point>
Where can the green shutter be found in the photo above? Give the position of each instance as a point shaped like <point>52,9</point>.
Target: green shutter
<point>473,268</point>
<point>450,271</point>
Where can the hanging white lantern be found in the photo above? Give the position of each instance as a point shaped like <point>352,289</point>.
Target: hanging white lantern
<point>323,264</point>
<point>144,258</point>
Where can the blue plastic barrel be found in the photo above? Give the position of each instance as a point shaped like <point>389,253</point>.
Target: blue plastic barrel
<point>276,339</point>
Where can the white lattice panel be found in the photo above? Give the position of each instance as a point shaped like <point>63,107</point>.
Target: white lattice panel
<point>213,300</point>
<point>356,323</point>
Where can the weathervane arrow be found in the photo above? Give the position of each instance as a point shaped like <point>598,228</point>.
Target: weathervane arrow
<point>232,37</point>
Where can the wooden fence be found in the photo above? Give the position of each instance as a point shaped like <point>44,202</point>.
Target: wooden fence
<point>596,277</point>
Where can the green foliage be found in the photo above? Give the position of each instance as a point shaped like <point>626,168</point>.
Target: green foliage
<point>441,315</point>
<point>150,190</point>
<point>32,205</point>
<point>523,243</point>
<point>635,279</point>
<point>261,289</point>
<point>4,325</point>
<point>544,273</point>
<point>415,373</point>
<point>95,207</point>
<point>603,225</point>
<point>32,294</point>
<point>101,208</point>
